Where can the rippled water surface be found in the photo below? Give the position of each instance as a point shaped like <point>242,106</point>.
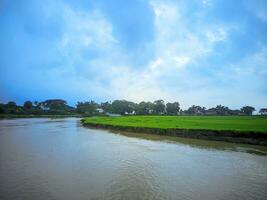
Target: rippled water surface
<point>60,159</point>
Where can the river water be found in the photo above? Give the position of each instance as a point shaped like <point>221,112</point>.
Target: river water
<point>61,159</point>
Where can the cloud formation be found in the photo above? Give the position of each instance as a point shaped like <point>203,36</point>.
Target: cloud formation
<point>191,52</point>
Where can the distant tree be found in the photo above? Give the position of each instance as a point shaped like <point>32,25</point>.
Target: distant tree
<point>195,110</point>
<point>248,110</point>
<point>27,105</point>
<point>11,107</point>
<point>144,108</point>
<point>37,108</point>
<point>2,108</point>
<point>55,104</point>
<point>222,110</point>
<point>37,105</point>
<point>263,111</point>
<point>11,104</point>
<point>172,108</point>
<point>211,111</point>
<point>159,107</point>
<point>123,107</point>
<point>235,112</point>
<point>106,106</point>
<point>88,108</point>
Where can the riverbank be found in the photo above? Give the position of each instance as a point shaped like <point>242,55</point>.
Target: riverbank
<point>247,130</point>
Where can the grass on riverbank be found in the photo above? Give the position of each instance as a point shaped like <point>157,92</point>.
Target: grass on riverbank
<point>233,123</point>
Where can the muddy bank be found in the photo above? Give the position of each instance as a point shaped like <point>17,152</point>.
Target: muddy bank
<point>251,137</point>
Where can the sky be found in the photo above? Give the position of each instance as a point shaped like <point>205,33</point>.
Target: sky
<point>197,52</point>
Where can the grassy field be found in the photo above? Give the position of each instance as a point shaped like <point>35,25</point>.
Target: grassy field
<point>235,123</point>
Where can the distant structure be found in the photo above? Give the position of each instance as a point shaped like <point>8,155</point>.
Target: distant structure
<point>263,111</point>
<point>100,110</point>
<point>112,114</point>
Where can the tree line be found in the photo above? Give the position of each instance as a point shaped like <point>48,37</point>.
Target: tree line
<point>119,107</point>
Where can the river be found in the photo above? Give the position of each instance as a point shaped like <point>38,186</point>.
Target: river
<point>61,159</point>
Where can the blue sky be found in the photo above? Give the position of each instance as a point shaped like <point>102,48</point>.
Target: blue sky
<point>205,52</point>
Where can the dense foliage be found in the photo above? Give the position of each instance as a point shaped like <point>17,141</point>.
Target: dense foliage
<point>118,107</point>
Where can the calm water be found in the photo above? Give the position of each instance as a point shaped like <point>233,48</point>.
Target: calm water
<point>60,159</point>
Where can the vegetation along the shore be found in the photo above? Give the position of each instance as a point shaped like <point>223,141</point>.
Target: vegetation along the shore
<point>116,107</point>
<point>237,129</point>
<point>230,123</point>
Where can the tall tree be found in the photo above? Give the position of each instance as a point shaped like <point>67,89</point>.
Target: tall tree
<point>11,104</point>
<point>106,106</point>
<point>37,105</point>
<point>159,107</point>
<point>172,108</point>
<point>27,105</point>
<point>248,110</point>
<point>123,107</point>
<point>11,107</point>
<point>88,107</point>
<point>195,110</point>
<point>144,108</point>
<point>55,104</point>
<point>2,108</point>
<point>222,110</point>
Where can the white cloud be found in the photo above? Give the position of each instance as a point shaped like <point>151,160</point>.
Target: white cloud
<point>217,35</point>
<point>182,60</point>
<point>254,64</point>
<point>243,81</point>
<point>85,30</point>
<point>206,3</point>
<point>91,61</point>
<point>175,47</point>
<point>258,7</point>
<point>111,74</point>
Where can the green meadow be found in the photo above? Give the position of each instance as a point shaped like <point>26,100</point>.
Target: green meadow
<point>233,123</point>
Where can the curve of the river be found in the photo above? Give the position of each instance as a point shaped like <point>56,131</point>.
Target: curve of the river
<point>61,159</point>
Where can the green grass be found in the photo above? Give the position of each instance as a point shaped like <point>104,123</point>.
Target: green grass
<point>235,123</point>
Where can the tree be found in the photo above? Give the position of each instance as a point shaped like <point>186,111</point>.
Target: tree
<point>159,107</point>
<point>195,110</point>
<point>27,105</point>
<point>11,104</point>
<point>144,108</point>
<point>37,108</point>
<point>123,107</point>
<point>235,112</point>
<point>106,106</point>
<point>11,107</point>
<point>88,108</point>
<point>222,110</point>
<point>172,108</point>
<point>211,111</point>
<point>248,110</point>
<point>37,105</point>
<point>54,104</point>
<point>2,108</point>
